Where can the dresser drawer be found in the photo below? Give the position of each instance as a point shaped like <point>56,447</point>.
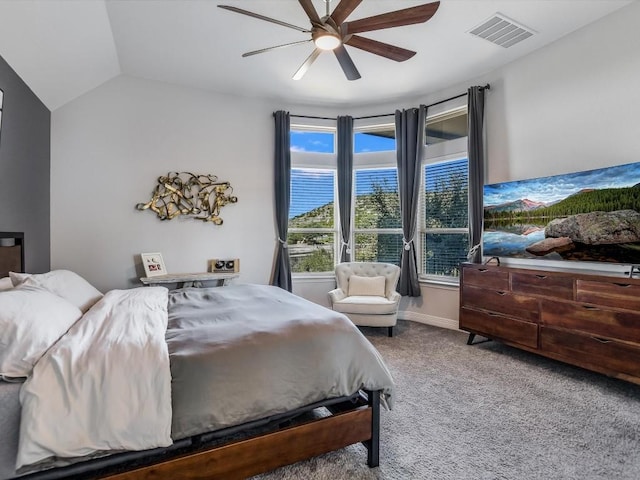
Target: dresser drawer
<point>590,350</point>
<point>488,277</point>
<point>499,301</point>
<point>554,286</point>
<point>499,327</point>
<point>592,320</point>
<point>612,294</point>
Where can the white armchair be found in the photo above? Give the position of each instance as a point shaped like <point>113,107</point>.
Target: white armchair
<point>367,294</point>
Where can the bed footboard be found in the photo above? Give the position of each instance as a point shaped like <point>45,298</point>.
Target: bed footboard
<point>244,458</point>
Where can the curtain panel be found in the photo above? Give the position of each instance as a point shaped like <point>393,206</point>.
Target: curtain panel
<point>282,156</point>
<point>475,149</point>
<point>410,127</point>
<point>345,183</point>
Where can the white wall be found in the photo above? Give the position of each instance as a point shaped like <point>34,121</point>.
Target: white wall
<point>108,148</point>
<point>567,107</point>
<point>570,106</point>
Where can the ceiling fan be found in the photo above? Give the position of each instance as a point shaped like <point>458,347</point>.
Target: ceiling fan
<point>332,32</point>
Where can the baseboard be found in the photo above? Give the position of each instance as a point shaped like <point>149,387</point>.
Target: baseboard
<point>429,320</point>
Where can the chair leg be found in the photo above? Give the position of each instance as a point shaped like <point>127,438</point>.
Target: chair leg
<point>391,331</point>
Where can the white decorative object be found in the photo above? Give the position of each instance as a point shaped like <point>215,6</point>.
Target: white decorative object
<point>153,264</point>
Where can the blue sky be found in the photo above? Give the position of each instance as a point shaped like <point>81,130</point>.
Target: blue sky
<point>557,187</point>
<point>323,142</point>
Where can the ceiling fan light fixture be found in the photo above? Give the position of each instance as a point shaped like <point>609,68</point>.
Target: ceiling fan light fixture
<point>327,41</point>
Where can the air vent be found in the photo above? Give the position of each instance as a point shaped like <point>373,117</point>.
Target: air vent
<point>502,31</point>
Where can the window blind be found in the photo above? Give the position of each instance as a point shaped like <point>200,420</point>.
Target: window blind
<point>312,198</point>
<point>446,197</point>
<point>377,205</point>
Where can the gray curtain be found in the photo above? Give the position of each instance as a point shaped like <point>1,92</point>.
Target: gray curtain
<point>475,149</point>
<point>410,126</point>
<point>345,183</point>
<point>282,266</point>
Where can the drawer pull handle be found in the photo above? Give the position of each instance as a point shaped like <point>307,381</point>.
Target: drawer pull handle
<point>482,270</point>
<point>590,307</point>
<point>541,276</point>
<point>601,340</point>
<point>623,285</point>
<point>501,293</point>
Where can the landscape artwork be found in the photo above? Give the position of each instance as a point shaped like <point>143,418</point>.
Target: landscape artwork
<point>591,216</point>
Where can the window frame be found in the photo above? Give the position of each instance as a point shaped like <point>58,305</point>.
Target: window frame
<point>306,160</point>
<point>372,160</point>
<point>446,151</point>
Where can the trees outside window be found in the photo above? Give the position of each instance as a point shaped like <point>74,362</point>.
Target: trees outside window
<point>378,232</point>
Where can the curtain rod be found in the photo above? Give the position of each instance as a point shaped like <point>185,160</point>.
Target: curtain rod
<point>485,87</point>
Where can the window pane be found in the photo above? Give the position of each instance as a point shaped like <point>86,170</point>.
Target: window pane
<point>445,127</point>
<point>447,194</point>
<point>378,247</point>
<point>375,140</point>
<point>377,202</point>
<point>311,252</point>
<point>312,141</point>
<point>312,193</point>
<point>443,253</point>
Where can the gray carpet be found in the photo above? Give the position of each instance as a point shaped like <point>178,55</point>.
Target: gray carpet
<point>489,412</point>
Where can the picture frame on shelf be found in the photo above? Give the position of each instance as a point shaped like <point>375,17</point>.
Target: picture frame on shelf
<point>153,264</point>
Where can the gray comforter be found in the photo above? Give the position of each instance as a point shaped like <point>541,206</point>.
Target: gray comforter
<point>244,352</point>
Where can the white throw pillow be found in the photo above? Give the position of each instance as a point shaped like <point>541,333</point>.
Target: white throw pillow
<point>5,284</point>
<point>366,285</point>
<point>64,283</point>
<point>31,321</point>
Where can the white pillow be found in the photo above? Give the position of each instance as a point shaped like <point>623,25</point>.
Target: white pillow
<point>31,321</point>
<point>366,285</point>
<point>65,284</point>
<point>5,284</point>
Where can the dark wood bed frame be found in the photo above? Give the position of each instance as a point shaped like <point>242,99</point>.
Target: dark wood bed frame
<point>351,421</point>
<point>347,425</point>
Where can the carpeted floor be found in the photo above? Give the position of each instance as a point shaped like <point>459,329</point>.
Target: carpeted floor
<point>489,412</point>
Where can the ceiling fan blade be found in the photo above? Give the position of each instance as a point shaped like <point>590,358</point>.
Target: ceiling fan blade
<point>343,10</point>
<point>307,63</point>
<point>310,10</point>
<point>379,48</point>
<point>348,67</point>
<point>398,18</point>
<point>262,17</point>
<point>268,49</point>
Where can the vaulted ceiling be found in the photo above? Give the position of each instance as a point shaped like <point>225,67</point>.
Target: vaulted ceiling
<point>64,48</point>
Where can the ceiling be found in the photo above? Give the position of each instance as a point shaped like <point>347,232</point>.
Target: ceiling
<point>64,48</point>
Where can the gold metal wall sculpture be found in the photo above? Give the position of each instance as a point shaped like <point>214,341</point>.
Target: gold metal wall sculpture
<point>183,193</point>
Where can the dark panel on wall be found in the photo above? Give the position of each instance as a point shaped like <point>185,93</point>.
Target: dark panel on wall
<point>25,152</point>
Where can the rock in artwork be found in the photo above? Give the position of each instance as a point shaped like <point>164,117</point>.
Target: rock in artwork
<point>197,196</point>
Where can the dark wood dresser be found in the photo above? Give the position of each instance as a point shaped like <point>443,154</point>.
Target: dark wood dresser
<point>592,321</point>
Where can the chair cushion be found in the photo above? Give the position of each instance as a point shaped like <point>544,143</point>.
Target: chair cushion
<point>366,285</point>
<point>366,304</point>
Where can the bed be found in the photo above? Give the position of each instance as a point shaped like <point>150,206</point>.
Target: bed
<point>257,378</point>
